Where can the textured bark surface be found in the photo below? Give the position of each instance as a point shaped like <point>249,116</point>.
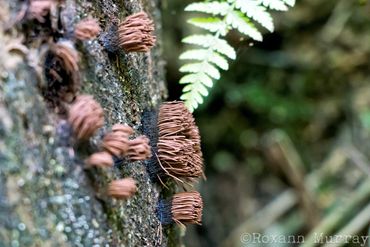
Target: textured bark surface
<point>47,197</point>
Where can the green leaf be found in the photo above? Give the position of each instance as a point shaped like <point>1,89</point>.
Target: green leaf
<point>191,78</point>
<point>201,89</point>
<point>219,60</point>
<point>212,24</point>
<point>200,68</point>
<point>212,42</point>
<point>188,88</point>
<point>256,12</point>
<point>190,101</point>
<point>203,54</point>
<point>198,98</point>
<point>197,86</point>
<point>274,4</point>
<point>194,92</point>
<point>195,54</point>
<point>214,8</point>
<point>238,21</point>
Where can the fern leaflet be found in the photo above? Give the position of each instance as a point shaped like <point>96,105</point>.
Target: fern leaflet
<point>213,50</point>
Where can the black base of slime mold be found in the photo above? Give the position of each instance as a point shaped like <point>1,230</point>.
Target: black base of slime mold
<point>109,39</point>
<point>149,121</point>
<point>149,127</point>
<point>163,211</point>
<point>118,161</point>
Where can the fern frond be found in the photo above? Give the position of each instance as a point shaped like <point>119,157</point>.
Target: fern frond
<point>194,92</point>
<point>194,96</point>
<point>214,8</point>
<point>274,4</point>
<point>204,67</point>
<point>212,42</point>
<point>200,87</point>
<point>281,5</point>
<point>213,50</point>
<point>212,24</point>
<point>203,54</point>
<point>241,23</point>
<point>192,99</point>
<point>198,77</point>
<point>256,12</point>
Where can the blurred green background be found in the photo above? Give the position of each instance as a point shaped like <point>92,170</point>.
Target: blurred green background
<point>285,132</point>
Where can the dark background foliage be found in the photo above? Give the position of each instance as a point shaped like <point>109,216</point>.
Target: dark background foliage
<point>306,88</point>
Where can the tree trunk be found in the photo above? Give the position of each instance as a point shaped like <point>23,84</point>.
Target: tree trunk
<point>47,196</point>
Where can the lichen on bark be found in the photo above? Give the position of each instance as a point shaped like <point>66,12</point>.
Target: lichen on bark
<point>47,196</point>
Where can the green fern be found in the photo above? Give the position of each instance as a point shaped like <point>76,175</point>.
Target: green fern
<point>212,49</point>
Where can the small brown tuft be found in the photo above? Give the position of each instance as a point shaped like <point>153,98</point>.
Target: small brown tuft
<point>139,149</point>
<point>65,51</point>
<point>116,142</point>
<point>87,29</point>
<point>187,208</point>
<point>178,145</point>
<point>101,159</point>
<point>179,158</point>
<point>38,9</point>
<point>135,33</point>
<point>61,74</point>
<point>175,119</point>
<point>85,116</point>
<point>122,188</point>
<point>122,128</point>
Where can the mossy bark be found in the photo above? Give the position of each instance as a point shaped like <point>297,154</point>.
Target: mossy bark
<point>47,196</point>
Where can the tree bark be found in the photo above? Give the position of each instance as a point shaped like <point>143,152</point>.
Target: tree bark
<point>47,196</point>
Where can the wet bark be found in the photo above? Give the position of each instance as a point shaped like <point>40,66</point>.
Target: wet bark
<point>47,196</point>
